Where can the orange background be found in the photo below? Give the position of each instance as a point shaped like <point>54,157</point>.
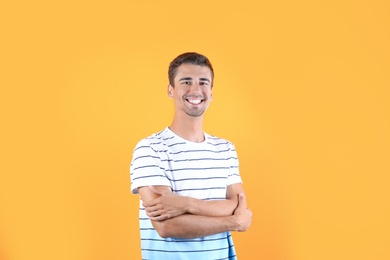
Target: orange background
<point>301,88</point>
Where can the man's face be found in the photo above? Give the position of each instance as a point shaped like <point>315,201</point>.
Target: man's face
<point>192,92</point>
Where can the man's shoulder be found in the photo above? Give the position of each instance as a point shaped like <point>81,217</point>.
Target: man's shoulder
<point>154,141</point>
<point>215,140</point>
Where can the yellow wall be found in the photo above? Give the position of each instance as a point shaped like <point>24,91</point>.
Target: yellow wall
<point>301,88</point>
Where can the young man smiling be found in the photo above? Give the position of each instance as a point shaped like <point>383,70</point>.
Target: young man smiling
<point>189,182</point>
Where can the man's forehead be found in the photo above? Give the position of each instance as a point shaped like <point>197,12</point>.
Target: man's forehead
<point>193,70</point>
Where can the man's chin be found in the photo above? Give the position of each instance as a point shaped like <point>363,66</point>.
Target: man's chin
<point>195,114</point>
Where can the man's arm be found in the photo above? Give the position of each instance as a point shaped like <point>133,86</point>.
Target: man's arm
<point>193,226</point>
<point>169,204</point>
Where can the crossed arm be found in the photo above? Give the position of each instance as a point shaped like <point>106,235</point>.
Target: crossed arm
<point>178,216</point>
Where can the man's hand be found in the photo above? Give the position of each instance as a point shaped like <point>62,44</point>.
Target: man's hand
<point>242,215</point>
<point>168,205</point>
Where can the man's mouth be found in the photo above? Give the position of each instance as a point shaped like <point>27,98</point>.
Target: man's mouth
<point>195,101</point>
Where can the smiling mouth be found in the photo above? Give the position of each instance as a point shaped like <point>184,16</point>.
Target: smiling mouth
<point>195,101</point>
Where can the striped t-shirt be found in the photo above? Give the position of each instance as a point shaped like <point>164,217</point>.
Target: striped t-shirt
<point>198,170</point>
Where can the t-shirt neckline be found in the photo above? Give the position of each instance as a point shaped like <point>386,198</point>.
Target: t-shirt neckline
<point>185,140</point>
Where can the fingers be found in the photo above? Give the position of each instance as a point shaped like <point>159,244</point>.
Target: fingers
<point>245,220</point>
<point>154,212</point>
<point>150,204</point>
<point>150,209</point>
<point>158,215</point>
<point>242,200</point>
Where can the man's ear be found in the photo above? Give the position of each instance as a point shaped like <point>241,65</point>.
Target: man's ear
<point>170,91</point>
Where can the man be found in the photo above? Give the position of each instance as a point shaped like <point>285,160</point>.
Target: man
<point>189,183</point>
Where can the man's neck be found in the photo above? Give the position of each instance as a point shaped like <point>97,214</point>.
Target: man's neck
<point>190,129</point>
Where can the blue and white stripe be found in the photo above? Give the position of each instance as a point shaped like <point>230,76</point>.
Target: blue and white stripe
<point>199,170</point>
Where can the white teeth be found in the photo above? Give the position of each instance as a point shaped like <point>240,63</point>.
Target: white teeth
<point>195,101</point>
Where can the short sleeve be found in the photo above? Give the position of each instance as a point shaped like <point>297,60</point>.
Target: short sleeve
<point>234,172</point>
<point>146,167</point>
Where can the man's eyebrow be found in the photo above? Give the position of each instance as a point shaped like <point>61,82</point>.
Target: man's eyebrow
<point>189,78</point>
<point>186,78</point>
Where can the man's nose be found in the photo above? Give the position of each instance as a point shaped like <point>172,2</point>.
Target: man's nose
<point>196,87</point>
